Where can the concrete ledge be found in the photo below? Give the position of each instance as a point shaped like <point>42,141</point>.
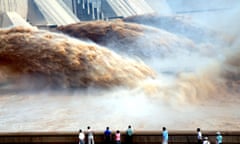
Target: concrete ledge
<point>140,137</point>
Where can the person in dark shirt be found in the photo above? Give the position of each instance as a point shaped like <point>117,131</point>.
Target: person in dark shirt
<point>107,135</point>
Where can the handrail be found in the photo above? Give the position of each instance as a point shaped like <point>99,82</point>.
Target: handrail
<point>139,137</point>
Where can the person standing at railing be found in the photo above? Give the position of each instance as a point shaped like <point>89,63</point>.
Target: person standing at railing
<point>107,135</point>
<point>219,138</point>
<point>118,137</point>
<point>129,134</point>
<point>164,136</point>
<point>81,137</point>
<point>90,135</point>
<point>199,136</point>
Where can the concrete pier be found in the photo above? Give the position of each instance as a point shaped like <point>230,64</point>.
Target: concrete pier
<point>140,137</point>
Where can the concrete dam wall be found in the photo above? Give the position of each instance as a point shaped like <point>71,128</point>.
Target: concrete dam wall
<point>18,6</point>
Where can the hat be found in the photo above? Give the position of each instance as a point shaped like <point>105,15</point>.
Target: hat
<point>218,133</point>
<point>205,138</point>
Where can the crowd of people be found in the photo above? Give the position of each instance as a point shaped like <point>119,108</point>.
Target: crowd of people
<point>108,136</point>
<point>108,139</point>
<point>204,140</point>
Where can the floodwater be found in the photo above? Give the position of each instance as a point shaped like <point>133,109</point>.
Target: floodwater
<point>181,90</point>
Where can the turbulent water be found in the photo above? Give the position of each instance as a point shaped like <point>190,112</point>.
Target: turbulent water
<point>115,74</point>
<point>63,62</point>
<point>130,38</point>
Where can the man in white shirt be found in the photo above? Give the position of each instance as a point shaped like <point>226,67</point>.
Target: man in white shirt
<point>199,136</point>
<point>81,137</point>
<point>205,141</point>
<point>90,135</point>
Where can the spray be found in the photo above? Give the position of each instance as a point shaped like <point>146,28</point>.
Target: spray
<point>193,87</point>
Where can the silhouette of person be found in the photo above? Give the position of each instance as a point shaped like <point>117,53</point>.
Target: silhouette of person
<point>107,135</point>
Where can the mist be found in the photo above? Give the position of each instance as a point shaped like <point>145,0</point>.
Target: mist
<point>196,82</point>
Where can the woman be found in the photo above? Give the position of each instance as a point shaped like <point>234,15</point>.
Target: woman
<point>118,137</point>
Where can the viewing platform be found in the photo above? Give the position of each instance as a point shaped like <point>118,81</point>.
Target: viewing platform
<point>139,137</point>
